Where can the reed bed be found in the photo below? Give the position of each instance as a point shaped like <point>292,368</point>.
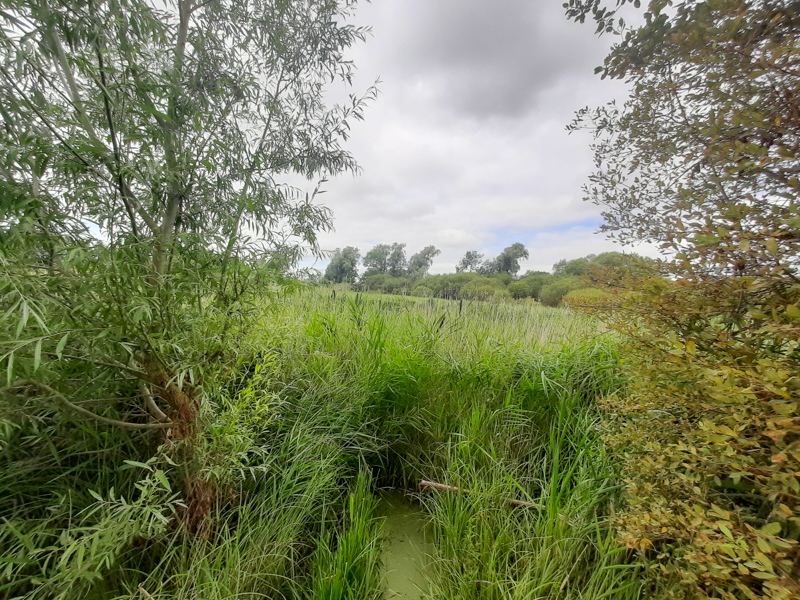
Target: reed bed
<point>332,398</point>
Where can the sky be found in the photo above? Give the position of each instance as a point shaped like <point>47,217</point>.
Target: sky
<point>466,146</point>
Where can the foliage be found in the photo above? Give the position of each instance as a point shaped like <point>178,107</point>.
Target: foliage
<point>139,151</point>
<point>594,263</point>
<point>390,259</point>
<point>713,406</point>
<point>553,293</point>
<point>353,569</point>
<point>384,282</point>
<point>343,266</point>
<point>495,284</point>
<point>583,293</point>
<point>572,268</point>
<point>420,263</point>
<point>386,259</point>
<point>322,391</point>
<point>495,399</point>
<point>507,261</point>
<point>463,285</point>
<point>470,263</point>
<point>128,117</point>
<point>703,160</point>
<point>530,285</point>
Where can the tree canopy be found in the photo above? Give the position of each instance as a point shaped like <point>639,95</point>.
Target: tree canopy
<point>507,261</point>
<point>470,263</point>
<point>376,260</point>
<point>343,266</point>
<point>420,263</point>
<point>143,145</point>
<point>134,117</point>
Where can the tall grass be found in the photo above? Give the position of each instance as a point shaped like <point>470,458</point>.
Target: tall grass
<point>334,396</point>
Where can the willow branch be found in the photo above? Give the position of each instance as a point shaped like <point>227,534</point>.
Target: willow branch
<point>152,407</point>
<point>46,389</point>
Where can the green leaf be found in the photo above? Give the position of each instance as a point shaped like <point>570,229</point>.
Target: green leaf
<point>163,479</point>
<point>772,246</point>
<point>136,463</point>
<point>95,495</point>
<point>37,355</point>
<point>771,528</point>
<point>24,320</point>
<point>60,346</point>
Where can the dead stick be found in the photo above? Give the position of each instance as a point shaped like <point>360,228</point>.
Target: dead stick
<point>450,488</point>
<point>144,591</point>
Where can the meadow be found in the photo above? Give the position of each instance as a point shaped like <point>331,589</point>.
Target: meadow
<point>334,399</point>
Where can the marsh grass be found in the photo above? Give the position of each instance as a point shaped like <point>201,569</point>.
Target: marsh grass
<point>332,397</point>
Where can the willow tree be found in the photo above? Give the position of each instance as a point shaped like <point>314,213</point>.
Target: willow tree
<point>704,160</point>
<point>144,148</point>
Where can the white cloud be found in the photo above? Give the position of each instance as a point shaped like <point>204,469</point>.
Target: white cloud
<point>466,146</point>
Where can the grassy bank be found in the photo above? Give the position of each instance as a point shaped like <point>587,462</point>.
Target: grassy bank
<point>330,399</point>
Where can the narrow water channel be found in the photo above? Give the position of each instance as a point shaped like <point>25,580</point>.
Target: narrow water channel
<point>407,548</point>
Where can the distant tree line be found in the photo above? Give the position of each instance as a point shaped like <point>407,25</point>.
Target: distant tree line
<point>387,270</point>
<point>384,260</point>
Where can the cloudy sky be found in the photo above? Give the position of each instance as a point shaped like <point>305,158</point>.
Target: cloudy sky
<point>466,147</point>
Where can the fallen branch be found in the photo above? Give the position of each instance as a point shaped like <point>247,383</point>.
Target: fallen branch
<point>63,400</point>
<point>431,485</point>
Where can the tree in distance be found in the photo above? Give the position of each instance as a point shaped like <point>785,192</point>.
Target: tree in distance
<point>507,261</point>
<point>396,263</point>
<point>376,260</point>
<point>553,293</point>
<point>343,266</point>
<point>529,285</point>
<point>470,263</point>
<point>572,268</point>
<point>420,263</point>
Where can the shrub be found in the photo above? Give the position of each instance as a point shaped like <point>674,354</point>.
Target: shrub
<point>553,293</point>
<point>529,286</point>
<point>422,291</point>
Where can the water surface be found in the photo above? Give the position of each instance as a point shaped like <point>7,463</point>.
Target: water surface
<point>407,548</point>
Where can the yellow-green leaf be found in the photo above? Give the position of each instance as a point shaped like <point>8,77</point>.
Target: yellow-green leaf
<point>772,246</point>
<point>771,528</point>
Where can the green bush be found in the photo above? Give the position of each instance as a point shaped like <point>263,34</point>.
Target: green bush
<point>553,293</point>
<point>385,283</point>
<point>422,291</point>
<point>529,286</point>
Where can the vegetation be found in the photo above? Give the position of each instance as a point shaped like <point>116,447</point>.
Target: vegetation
<point>491,279</point>
<point>127,118</point>
<point>181,419</point>
<point>703,160</point>
<point>327,400</point>
<point>343,267</point>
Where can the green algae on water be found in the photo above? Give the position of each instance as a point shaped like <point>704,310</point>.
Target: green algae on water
<point>407,547</point>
